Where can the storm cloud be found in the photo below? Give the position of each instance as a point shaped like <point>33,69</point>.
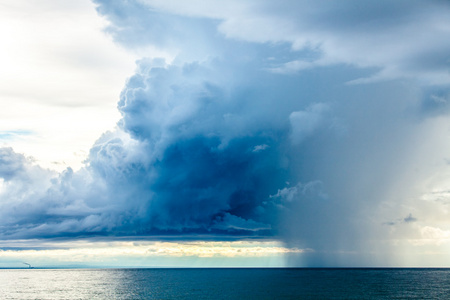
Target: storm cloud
<point>308,123</point>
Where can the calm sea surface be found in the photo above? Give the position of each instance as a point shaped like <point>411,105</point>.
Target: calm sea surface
<point>225,284</point>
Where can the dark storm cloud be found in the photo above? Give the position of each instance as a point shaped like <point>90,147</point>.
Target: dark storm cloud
<point>201,159</point>
<point>253,129</point>
<point>192,155</point>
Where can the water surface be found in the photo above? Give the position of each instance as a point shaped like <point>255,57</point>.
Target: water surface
<point>225,284</point>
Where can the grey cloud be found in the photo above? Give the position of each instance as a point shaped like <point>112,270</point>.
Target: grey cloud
<point>409,219</point>
<point>399,39</point>
<point>11,163</point>
<point>304,123</point>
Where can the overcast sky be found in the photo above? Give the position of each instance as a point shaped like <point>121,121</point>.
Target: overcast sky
<point>309,133</point>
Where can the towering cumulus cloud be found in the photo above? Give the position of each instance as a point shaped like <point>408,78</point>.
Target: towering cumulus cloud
<point>320,124</point>
<point>195,162</point>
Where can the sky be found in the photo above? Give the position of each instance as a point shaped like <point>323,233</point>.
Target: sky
<point>152,133</point>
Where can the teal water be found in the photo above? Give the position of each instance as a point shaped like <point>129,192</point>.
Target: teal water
<point>225,284</point>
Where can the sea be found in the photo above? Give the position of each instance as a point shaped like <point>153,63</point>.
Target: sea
<point>226,283</point>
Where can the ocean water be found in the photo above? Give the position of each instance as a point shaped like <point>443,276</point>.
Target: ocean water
<point>225,284</point>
